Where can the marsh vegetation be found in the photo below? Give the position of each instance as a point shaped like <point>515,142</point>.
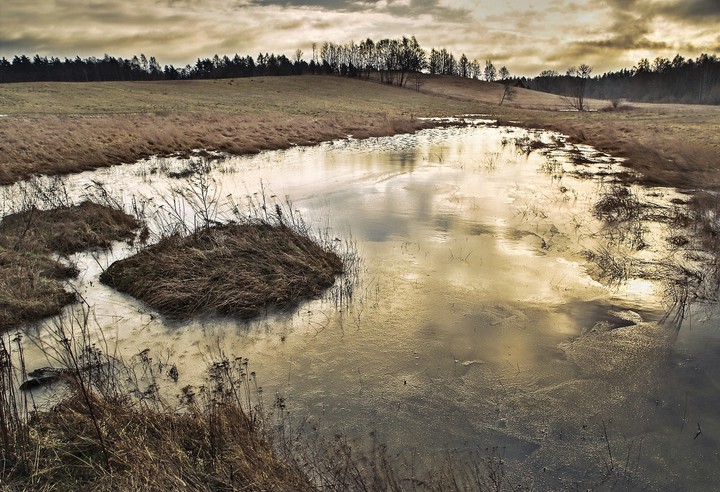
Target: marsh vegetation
<point>35,243</point>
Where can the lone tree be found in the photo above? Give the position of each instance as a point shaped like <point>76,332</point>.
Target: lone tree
<point>580,76</point>
<point>508,93</point>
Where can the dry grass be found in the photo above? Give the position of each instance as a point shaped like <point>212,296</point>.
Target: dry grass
<point>31,287</point>
<point>58,128</point>
<point>66,230</point>
<point>31,280</point>
<point>211,446</point>
<point>112,430</point>
<point>51,144</point>
<point>668,144</point>
<point>238,270</point>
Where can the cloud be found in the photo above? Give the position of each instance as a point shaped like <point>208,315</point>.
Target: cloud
<point>408,9</point>
<point>526,37</point>
<point>703,11</point>
<point>336,5</point>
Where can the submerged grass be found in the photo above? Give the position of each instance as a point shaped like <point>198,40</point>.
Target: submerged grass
<point>32,278</point>
<point>234,269</point>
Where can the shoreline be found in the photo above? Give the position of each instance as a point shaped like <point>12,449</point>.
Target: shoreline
<point>63,128</point>
<point>73,144</point>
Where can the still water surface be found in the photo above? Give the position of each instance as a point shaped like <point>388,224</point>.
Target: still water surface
<point>473,323</point>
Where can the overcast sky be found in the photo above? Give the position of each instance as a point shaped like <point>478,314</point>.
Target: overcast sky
<point>526,36</point>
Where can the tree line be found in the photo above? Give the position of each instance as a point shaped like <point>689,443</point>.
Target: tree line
<point>39,68</point>
<point>393,61</point>
<point>679,80</point>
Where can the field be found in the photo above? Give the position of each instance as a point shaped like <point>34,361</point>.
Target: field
<point>58,128</point>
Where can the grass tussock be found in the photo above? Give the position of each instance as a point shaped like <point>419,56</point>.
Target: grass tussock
<point>31,279</point>
<point>31,287</point>
<point>234,269</point>
<point>618,204</point>
<point>67,229</point>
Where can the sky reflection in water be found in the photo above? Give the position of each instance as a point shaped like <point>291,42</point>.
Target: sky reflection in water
<point>463,328</point>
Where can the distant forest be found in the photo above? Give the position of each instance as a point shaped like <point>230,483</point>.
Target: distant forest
<point>393,61</point>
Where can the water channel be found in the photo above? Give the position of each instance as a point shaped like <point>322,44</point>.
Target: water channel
<point>474,324</point>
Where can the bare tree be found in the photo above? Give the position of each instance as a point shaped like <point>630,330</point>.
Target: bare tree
<point>418,80</point>
<point>508,93</point>
<point>580,75</point>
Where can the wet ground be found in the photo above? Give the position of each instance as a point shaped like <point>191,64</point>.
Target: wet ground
<point>474,323</point>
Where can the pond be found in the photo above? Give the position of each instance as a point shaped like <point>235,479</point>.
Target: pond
<point>474,324</point>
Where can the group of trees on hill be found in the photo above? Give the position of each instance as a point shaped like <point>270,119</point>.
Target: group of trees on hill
<point>679,80</point>
<point>108,68</point>
<point>394,61</point>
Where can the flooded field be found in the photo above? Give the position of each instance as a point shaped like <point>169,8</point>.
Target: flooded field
<point>480,318</point>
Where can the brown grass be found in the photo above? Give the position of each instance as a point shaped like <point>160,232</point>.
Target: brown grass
<point>58,128</point>
<point>237,270</point>
<point>66,230</point>
<point>31,281</point>
<point>214,446</point>
<point>31,287</point>
<point>51,144</point>
<point>668,144</point>
<point>112,430</point>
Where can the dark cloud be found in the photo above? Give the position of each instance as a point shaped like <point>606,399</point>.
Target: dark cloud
<point>691,10</point>
<point>412,10</point>
<point>432,8</point>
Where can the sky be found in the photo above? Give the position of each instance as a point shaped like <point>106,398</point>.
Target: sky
<point>525,36</point>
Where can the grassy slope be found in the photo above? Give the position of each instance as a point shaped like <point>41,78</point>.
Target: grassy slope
<point>297,96</point>
<point>67,127</point>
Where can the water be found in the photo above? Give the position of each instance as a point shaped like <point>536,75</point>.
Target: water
<point>474,322</point>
